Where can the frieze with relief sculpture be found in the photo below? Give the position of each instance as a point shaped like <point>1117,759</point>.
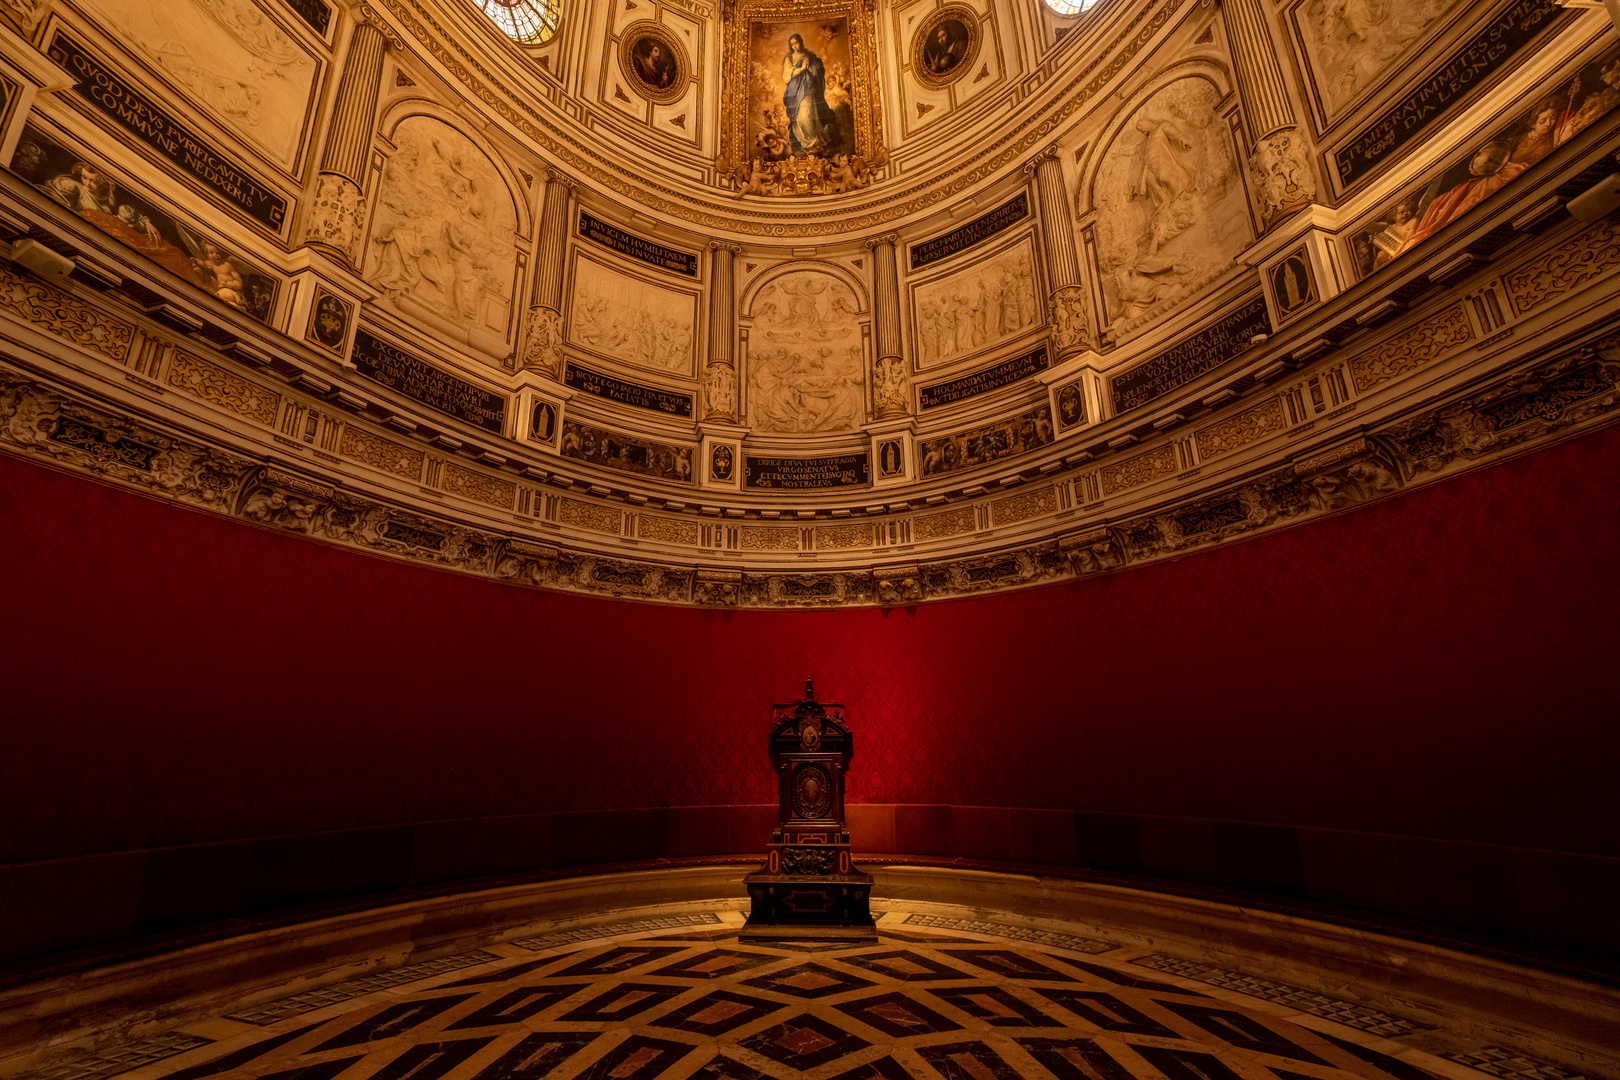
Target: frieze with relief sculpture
<point>667,530</point>
<point>978,307</point>
<point>38,422</point>
<point>1170,208</point>
<point>1423,344</point>
<point>229,58</point>
<point>1350,44</point>
<point>1588,255</point>
<point>1236,432</point>
<point>953,522</point>
<point>1022,507</point>
<point>443,238</point>
<point>211,383</point>
<point>1142,469</point>
<point>1577,390</point>
<point>843,537</point>
<point>478,487</point>
<point>805,364</point>
<point>62,315</point>
<point>380,453</point>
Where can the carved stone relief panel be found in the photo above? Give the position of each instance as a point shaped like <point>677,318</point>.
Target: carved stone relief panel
<point>631,319</point>
<point>231,58</point>
<point>1349,43</point>
<point>443,236</point>
<point>806,368</point>
<point>1170,208</point>
<point>973,309</point>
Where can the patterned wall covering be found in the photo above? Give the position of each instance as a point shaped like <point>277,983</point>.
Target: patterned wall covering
<point>270,686</point>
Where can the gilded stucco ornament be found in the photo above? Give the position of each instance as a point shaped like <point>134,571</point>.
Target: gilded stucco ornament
<point>542,349</point>
<point>1071,325</point>
<point>1280,171</point>
<point>337,214</point>
<point>799,101</point>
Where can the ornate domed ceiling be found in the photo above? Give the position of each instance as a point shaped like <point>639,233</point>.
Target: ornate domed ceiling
<point>801,302</point>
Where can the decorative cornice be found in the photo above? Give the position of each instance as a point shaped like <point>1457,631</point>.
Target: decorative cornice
<point>1546,403</point>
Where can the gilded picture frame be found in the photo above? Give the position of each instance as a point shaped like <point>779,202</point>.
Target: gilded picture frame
<point>653,62</point>
<point>945,46</point>
<point>815,59</point>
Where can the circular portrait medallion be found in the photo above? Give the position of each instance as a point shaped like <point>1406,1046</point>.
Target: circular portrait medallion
<point>945,46</point>
<point>653,63</point>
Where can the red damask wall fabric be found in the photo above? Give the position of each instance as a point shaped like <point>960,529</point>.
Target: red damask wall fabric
<point>1439,666</point>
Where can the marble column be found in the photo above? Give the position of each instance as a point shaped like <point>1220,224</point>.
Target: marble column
<point>337,211</point>
<point>890,398</point>
<point>720,374</point>
<point>1067,304</point>
<point>542,350</point>
<point>1280,176</point>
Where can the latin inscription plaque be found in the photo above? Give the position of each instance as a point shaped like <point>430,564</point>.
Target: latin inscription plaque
<point>633,246</point>
<point>1485,52</point>
<point>627,393</point>
<point>800,473</point>
<point>420,381</point>
<point>1184,361</point>
<point>982,382</point>
<point>979,229</point>
<point>154,127</point>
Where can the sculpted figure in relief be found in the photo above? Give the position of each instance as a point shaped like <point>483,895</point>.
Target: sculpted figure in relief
<point>631,320</point>
<point>444,228</point>
<point>1170,212</point>
<point>976,308</point>
<point>1353,41</point>
<point>805,372</point>
<point>720,384</point>
<point>230,57</point>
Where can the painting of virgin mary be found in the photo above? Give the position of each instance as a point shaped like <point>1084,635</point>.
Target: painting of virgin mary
<point>800,92</point>
<point>812,125</point>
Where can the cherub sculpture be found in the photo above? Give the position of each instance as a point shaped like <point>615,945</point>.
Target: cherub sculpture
<point>751,179</point>
<point>845,175</point>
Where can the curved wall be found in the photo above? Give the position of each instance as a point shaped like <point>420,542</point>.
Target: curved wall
<point>1381,710</point>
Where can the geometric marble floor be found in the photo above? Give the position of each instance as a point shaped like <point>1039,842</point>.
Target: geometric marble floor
<point>678,996</point>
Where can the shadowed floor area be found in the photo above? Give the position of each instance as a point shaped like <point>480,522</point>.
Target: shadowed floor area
<point>675,995</point>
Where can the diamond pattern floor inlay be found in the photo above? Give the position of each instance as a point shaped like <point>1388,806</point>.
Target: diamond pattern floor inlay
<point>658,1000</point>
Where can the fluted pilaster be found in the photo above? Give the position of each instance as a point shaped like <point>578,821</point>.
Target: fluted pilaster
<point>1066,303</point>
<point>889,395</point>
<point>337,210</point>
<point>1280,176</point>
<point>720,374</point>
<point>542,350</point>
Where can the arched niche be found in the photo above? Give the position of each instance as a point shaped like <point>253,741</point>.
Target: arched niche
<point>1166,196</point>
<point>444,238</point>
<point>806,327</point>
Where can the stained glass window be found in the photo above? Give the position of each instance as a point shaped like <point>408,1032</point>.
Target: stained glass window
<point>528,21</point>
<point>1069,7</point>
